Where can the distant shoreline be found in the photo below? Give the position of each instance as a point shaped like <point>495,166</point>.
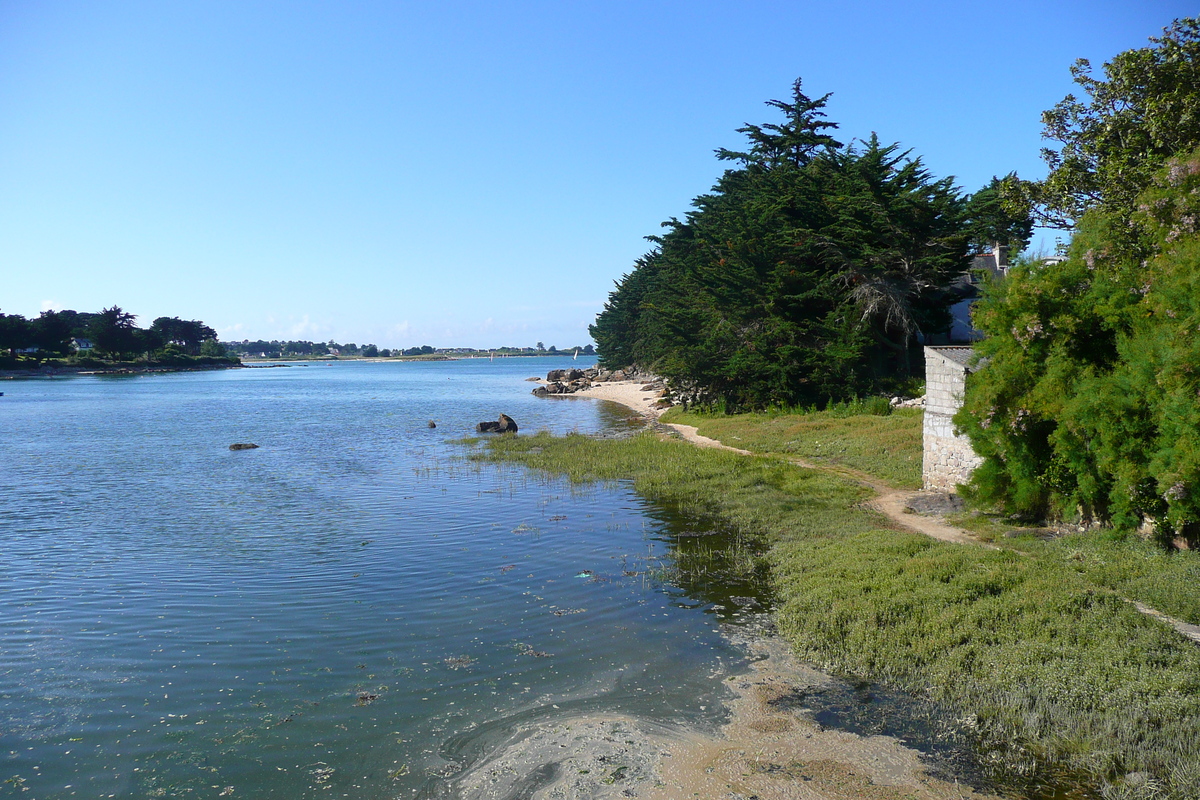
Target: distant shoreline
<point>423,357</point>
<point>123,369</point>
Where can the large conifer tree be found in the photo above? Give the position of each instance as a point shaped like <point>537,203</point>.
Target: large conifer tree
<point>804,275</point>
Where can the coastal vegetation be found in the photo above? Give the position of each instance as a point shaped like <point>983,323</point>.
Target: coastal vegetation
<point>806,274</point>
<point>1033,646</point>
<point>1085,402</point>
<point>799,285</point>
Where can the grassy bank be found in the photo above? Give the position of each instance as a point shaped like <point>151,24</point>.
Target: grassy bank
<point>887,447</point>
<point>1120,561</point>
<point>1043,660</point>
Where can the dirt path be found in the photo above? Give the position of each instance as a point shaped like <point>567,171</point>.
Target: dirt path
<point>892,503</point>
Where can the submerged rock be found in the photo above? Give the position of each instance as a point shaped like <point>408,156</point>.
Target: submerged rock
<point>243,446</point>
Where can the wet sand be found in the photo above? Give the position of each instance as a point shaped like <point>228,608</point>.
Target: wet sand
<point>769,748</point>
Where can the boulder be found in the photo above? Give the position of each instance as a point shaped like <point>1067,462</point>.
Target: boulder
<point>618,375</point>
<point>243,446</point>
<point>556,374</point>
<point>503,425</point>
<point>432,424</point>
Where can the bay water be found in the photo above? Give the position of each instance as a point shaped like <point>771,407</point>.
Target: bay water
<point>321,616</point>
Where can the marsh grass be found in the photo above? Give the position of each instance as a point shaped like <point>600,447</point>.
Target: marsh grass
<point>1119,561</point>
<point>1041,658</point>
<point>887,447</point>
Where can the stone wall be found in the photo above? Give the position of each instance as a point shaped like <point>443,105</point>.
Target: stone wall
<point>948,459</point>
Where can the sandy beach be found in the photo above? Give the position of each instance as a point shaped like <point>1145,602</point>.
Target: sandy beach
<point>627,393</point>
<point>770,748</point>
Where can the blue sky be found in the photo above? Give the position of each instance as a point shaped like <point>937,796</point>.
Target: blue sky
<point>459,173</point>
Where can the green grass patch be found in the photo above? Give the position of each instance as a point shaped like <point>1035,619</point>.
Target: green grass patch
<point>1040,657</point>
<point>1167,580</point>
<point>887,447</point>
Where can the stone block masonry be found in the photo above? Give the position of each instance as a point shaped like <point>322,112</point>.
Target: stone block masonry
<point>948,459</point>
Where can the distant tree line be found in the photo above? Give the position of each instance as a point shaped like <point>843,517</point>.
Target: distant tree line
<point>807,274</point>
<point>110,334</point>
<point>284,349</point>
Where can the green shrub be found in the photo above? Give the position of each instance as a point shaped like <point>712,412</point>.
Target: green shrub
<point>1086,402</point>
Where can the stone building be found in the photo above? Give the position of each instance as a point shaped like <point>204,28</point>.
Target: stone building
<point>948,459</point>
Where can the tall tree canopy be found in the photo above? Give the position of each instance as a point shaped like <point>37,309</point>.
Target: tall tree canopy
<point>1144,110</point>
<point>114,332</point>
<point>804,275</point>
<point>188,335</point>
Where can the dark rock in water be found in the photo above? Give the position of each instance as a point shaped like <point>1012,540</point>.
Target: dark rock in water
<point>243,446</point>
<point>534,378</point>
<point>503,425</point>
<point>432,424</point>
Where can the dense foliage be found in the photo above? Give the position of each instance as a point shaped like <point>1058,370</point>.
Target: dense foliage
<point>1088,401</point>
<point>1144,110</point>
<point>804,275</point>
<point>1085,403</point>
<point>111,333</point>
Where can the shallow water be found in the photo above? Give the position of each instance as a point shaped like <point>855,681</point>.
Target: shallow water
<point>323,615</point>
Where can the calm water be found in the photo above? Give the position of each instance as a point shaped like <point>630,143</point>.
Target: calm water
<point>322,616</point>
